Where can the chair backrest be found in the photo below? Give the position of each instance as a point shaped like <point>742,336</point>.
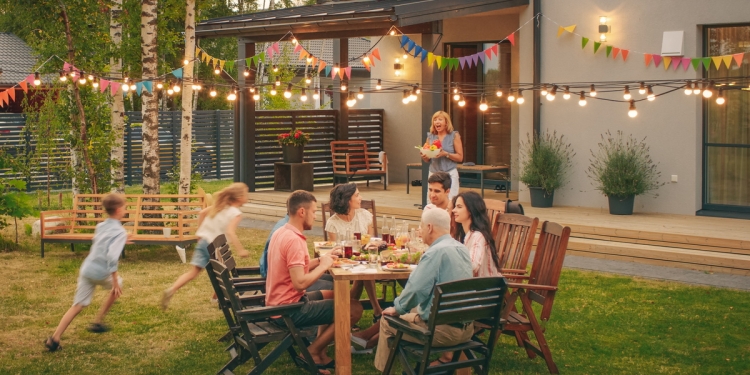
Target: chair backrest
<point>494,207</point>
<point>514,238</point>
<point>548,262</point>
<point>368,205</point>
<point>467,300</point>
<point>226,286</point>
<point>357,159</point>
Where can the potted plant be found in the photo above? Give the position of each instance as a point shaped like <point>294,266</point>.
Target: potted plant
<point>545,163</point>
<point>292,145</point>
<point>622,168</point>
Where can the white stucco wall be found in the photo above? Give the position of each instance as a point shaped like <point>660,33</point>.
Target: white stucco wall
<point>672,124</point>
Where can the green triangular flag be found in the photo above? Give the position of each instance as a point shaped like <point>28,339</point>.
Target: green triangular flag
<point>262,57</point>
<point>255,60</point>
<point>696,63</point>
<point>707,62</point>
<point>443,63</point>
<point>230,65</point>
<point>596,46</point>
<point>584,41</point>
<point>248,61</point>
<point>454,63</point>
<point>609,50</point>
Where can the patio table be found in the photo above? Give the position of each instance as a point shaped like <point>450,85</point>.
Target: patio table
<point>473,169</point>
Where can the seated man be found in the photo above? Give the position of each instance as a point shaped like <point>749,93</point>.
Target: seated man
<point>291,272</point>
<point>445,260</point>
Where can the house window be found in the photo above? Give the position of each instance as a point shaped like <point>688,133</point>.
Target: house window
<point>726,138</point>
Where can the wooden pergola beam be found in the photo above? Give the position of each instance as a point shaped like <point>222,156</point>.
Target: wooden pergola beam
<point>333,31</point>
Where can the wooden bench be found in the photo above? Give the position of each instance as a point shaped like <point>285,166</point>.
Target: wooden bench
<point>147,217</point>
<point>351,159</point>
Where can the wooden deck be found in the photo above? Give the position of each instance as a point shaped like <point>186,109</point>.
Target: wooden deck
<point>693,242</point>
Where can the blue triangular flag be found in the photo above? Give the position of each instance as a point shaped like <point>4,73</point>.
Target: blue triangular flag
<point>149,86</point>
<point>177,73</point>
<point>327,71</point>
<point>410,46</point>
<point>424,55</point>
<point>404,39</point>
<point>417,51</point>
<point>139,88</point>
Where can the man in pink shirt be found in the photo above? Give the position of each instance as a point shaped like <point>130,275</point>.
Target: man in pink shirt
<point>290,272</point>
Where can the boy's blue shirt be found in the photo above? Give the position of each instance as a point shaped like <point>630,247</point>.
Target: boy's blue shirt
<point>106,247</point>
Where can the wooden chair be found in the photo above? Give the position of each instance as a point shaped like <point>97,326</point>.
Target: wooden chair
<point>514,238</point>
<point>368,205</point>
<point>541,288</point>
<point>252,328</point>
<point>494,207</point>
<point>351,159</point>
<point>452,303</point>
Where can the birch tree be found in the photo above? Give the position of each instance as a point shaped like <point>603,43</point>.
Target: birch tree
<point>186,136</point>
<point>118,107</point>
<point>151,164</point>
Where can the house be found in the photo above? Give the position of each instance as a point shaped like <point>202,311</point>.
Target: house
<point>17,61</point>
<point>701,147</point>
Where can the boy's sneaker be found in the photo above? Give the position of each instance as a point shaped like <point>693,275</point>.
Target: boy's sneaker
<point>98,328</point>
<point>52,345</point>
<point>166,296</point>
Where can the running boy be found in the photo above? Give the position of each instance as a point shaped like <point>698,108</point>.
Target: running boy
<point>99,268</point>
<point>220,218</point>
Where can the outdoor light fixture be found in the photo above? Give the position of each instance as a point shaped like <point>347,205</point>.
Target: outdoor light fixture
<point>461,102</point>
<point>544,91</point>
<point>316,94</point>
<point>246,73</point>
<point>511,97</point>
<point>688,88</point>
<point>170,92</point>
<point>256,96</point>
<point>398,68</point>
<point>642,88</point>
<point>308,79</point>
<point>632,112</point>
<point>604,29</point>
<point>251,89</point>
<point>277,82</point>
<point>217,71</point>
<point>592,92</point>
<point>177,86</point>
<point>708,92</point>
<point>720,98</point>
<point>159,85</point>
<point>95,83</point>
<point>303,97</point>
<point>520,98</point>
<point>499,92</point>
<point>343,86</point>
<point>350,102</point>
<point>405,98</point>
<point>185,62</point>
<point>37,79</point>
<point>63,77</point>
<point>483,104</point>
<point>697,89</point>
<point>273,91</point>
<point>626,94</point>
<point>361,93</point>
<point>582,100</point>
<point>552,93</point>
<point>379,86</point>
<point>212,92</point>
<point>125,87</point>
<point>650,93</point>
<point>232,95</point>
<point>288,91</point>
<point>413,95</point>
<point>82,80</point>
<point>456,95</point>
<point>275,69</point>
<point>566,93</point>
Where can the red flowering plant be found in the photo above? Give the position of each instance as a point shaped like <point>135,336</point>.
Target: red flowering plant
<point>294,138</point>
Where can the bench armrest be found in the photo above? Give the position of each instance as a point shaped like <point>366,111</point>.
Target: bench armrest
<point>248,271</point>
<point>408,328</point>
<point>257,313</point>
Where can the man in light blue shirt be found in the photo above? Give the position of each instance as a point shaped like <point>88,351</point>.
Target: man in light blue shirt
<point>445,260</point>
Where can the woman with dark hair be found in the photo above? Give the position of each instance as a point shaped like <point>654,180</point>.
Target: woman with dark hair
<point>349,216</point>
<point>474,230</point>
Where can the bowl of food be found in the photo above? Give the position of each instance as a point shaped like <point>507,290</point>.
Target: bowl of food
<point>429,152</point>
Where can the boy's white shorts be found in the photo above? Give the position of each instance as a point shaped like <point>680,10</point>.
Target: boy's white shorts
<point>86,286</point>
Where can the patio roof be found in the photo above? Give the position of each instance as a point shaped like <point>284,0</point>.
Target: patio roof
<point>347,18</point>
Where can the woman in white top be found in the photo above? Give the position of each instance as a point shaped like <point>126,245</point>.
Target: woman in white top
<point>474,230</point>
<point>350,217</point>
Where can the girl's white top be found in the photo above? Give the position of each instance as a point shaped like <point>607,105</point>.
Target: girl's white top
<point>212,227</point>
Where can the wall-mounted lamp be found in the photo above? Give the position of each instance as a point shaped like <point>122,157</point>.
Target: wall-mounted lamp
<point>398,68</point>
<point>604,28</point>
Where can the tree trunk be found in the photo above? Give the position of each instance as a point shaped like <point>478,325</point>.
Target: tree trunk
<point>84,141</point>
<point>186,135</point>
<point>151,165</point>
<point>118,106</point>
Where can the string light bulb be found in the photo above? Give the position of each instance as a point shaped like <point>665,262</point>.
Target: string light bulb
<point>303,96</point>
<point>405,98</point>
<point>632,112</point>
<point>252,89</point>
<point>582,100</point>
<point>343,86</point>
<point>288,91</point>
<point>707,92</point>
<point>697,89</point>
<point>462,101</point>
<point>720,98</point>
<point>350,102</point>
<point>511,96</point>
<point>483,104</point>
<point>212,92</point>
<point>125,87</point>
<point>552,93</point>
<point>642,88</point>
<point>185,62</point>
<point>309,59</point>
<point>273,91</point>
<point>393,32</point>
<point>336,69</point>
<point>379,85</point>
<point>159,85</point>
<point>650,94</point>
<point>626,94</point>
<point>499,92</point>
<point>592,91</point>
<point>520,98</point>
<point>316,94</point>
<point>82,79</point>
<point>417,90</point>
<point>566,93</point>
<point>177,86</point>
<point>198,87</point>
<point>246,72</point>
<point>195,86</point>
<point>455,89</point>
<point>308,79</point>
<point>256,96</point>
<point>544,91</point>
<point>95,83</point>
<point>275,69</point>
<point>217,71</point>
<point>73,74</point>
<point>170,92</point>
<point>232,96</point>
<point>277,82</point>
<point>456,95</point>
<point>63,77</point>
<point>361,93</point>
<point>294,40</point>
<point>689,88</point>
<point>37,79</point>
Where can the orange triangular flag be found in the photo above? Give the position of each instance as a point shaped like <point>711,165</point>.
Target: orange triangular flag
<point>321,65</point>
<point>625,54</point>
<point>667,61</point>
<point>372,60</point>
<point>376,53</point>
<point>615,52</point>
<point>647,57</point>
<point>560,30</point>
<point>512,39</point>
<point>12,94</point>
<point>738,58</point>
<point>367,67</point>
<point>24,86</point>
<point>717,61</point>
<point>727,60</point>
<point>3,97</point>
<point>302,54</point>
<point>341,73</point>
<point>366,63</point>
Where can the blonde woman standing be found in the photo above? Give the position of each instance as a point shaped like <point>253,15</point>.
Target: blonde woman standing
<point>452,150</point>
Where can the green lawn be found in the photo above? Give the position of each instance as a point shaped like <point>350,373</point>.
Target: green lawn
<point>601,324</point>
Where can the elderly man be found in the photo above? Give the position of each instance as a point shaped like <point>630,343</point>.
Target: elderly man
<point>445,260</point>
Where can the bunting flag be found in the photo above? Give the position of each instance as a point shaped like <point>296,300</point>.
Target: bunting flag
<point>615,52</point>
<point>376,54</point>
<point>149,86</point>
<point>738,58</point>
<point>275,47</point>
<point>321,66</point>
<point>24,86</point>
<point>341,73</point>
<point>570,28</point>
<point>685,63</point>
<point>584,42</point>
<point>667,61</point>
<point>482,56</point>
<point>560,30</point>
<point>327,69</point>
<point>596,46</point>
<point>417,51</point>
<point>512,39</point>
<point>488,53</point>
<point>439,61</point>
<point>138,88</point>
<point>706,62</point>
<point>221,66</point>
<point>12,94</point>
<point>404,40</point>
<point>625,54</point>
<point>410,46</point>
<point>424,55</point>
<point>230,65</point>
<point>647,57</point>
<point>430,59</point>
<point>475,58</point>
<point>269,52</point>
<point>3,98</point>
<point>717,61</point>
<point>696,63</point>
<point>676,62</point>
<point>609,50</point>
<point>348,71</point>
<point>103,84</point>
<point>462,60</point>
<point>297,48</point>
<point>177,73</point>
<point>657,60</point>
<point>727,60</point>
<point>250,61</point>
<point>114,87</point>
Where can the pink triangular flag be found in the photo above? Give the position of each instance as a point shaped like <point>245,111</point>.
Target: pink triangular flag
<point>512,39</point>
<point>625,54</point>
<point>685,63</point>
<point>333,74</point>
<point>276,47</point>
<point>647,57</point>
<point>30,79</point>
<point>615,52</point>
<point>657,60</point>
<point>103,83</point>
<point>269,52</point>
<point>738,58</point>
<point>66,67</point>
<point>24,86</point>
<point>348,71</point>
<point>676,63</point>
<point>114,87</point>
<point>297,48</point>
